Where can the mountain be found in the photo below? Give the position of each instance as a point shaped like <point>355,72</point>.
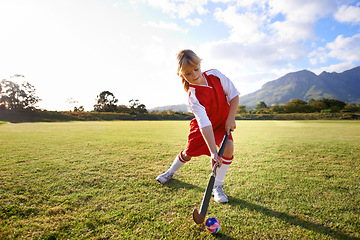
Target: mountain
<point>306,85</point>
<point>175,108</point>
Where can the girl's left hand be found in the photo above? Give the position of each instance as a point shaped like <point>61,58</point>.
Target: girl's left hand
<point>230,125</point>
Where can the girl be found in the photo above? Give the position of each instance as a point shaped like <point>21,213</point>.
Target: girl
<point>213,100</point>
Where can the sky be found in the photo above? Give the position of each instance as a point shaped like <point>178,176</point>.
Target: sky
<point>72,50</point>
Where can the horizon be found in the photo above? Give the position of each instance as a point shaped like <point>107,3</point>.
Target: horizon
<point>70,51</point>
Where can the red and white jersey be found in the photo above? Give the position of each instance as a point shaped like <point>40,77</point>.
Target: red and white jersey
<point>210,103</point>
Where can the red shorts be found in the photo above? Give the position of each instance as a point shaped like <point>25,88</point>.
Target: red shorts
<point>196,145</point>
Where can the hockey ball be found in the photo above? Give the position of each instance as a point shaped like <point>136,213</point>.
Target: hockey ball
<point>212,224</point>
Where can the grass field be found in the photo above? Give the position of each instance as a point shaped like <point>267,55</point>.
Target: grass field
<point>96,180</point>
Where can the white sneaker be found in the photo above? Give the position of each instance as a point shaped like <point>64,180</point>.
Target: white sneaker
<point>163,178</point>
<point>219,195</point>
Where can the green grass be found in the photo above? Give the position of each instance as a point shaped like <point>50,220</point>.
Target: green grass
<point>96,180</point>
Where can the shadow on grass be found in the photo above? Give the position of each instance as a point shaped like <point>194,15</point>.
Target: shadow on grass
<point>176,183</point>
<point>294,220</point>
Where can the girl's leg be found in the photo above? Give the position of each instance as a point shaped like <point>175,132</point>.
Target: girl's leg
<point>227,160</point>
<point>179,161</point>
<point>219,195</point>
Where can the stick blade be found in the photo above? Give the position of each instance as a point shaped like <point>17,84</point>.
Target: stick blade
<point>198,217</point>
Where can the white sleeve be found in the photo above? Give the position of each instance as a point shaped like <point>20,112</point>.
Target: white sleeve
<point>198,109</point>
<point>228,86</point>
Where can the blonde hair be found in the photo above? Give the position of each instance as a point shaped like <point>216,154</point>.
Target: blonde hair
<point>186,58</point>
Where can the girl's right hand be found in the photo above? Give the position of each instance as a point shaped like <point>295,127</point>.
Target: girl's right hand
<point>215,159</point>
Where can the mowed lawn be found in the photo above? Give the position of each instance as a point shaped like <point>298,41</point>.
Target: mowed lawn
<point>96,180</point>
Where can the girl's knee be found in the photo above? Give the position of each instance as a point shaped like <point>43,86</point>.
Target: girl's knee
<point>185,156</point>
<point>229,149</point>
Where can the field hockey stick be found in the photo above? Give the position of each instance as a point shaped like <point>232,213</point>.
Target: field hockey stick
<point>199,217</point>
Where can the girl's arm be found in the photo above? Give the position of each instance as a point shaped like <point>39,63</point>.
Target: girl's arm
<point>209,138</point>
<point>230,122</point>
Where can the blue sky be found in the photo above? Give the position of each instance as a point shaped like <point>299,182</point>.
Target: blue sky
<point>71,50</point>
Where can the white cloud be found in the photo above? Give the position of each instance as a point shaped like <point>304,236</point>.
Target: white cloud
<point>181,9</point>
<point>292,31</point>
<point>252,4</point>
<point>253,57</point>
<point>346,49</point>
<point>188,7</point>
<point>305,11</point>
<point>342,48</point>
<point>194,22</point>
<point>348,14</point>
<point>318,56</point>
<point>257,22</point>
<point>340,67</point>
<point>167,26</point>
<point>300,17</point>
<point>258,38</point>
<point>223,1</point>
<point>166,6</point>
<point>244,28</point>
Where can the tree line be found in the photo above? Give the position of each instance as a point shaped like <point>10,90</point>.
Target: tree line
<point>106,102</point>
<point>300,106</point>
<point>23,96</point>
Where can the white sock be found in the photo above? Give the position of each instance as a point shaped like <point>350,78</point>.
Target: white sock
<point>177,164</point>
<point>220,175</point>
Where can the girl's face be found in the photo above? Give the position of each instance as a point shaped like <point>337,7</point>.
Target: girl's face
<point>193,75</point>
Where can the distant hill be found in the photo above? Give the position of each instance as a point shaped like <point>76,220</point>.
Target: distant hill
<point>175,108</point>
<point>306,85</point>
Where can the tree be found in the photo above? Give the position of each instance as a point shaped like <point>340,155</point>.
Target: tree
<point>351,107</point>
<point>336,105</point>
<point>290,107</point>
<point>330,104</point>
<point>316,105</point>
<point>123,109</point>
<point>79,109</point>
<point>301,106</point>
<point>261,106</point>
<point>297,106</point>
<point>277,108</point>
<point>17,97</point>
<point>136,107</point>
<point>241,109</point>
<point>106,102</point>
